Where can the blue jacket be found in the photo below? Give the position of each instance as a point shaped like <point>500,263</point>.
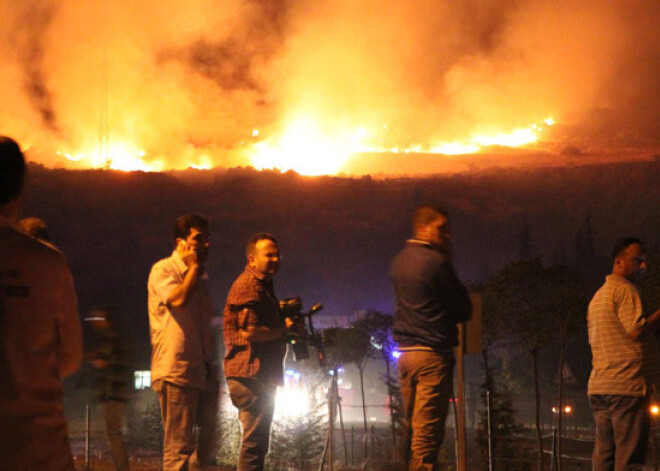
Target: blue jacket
<point>430,299</point>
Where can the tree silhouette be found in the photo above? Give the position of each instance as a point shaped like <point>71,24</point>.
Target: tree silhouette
<point>379,327</point>
<point>516,303</point>
<point>353,346</point>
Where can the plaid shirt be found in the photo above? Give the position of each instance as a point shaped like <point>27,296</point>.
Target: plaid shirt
<point>251,302</point>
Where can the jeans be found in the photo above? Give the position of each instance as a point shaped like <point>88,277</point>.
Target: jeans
<point>255,402</point>
<point>181,408</point>
<point>114,414</point>
<point>622,432</point>
<point>425,379</point>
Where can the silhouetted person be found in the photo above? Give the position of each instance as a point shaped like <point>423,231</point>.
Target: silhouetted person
<point>108,360</point>
<point>253,332</point>
<point>625,365</point>
<point>183,368</point>
<point>40,336</point>
<point>430,301</point>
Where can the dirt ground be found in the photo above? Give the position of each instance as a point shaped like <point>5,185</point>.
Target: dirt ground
<point>148,463</point>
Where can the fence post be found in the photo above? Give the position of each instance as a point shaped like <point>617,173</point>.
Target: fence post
<point>352,445</point>
<point>490,431</point>
<point>87,434</point>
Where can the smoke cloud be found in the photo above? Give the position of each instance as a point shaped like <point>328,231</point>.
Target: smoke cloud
<point>188,78</point>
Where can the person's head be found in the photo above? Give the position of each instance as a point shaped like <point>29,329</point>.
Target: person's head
<point>192,230</point>
<point>102,317</point>
<point>263,253</point>
<point>431,224</point>
<point>34,227</point>
<point>12,176</point>
<point>628,258</point>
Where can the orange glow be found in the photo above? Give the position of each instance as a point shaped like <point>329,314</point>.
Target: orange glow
<point>567,409</point>
<point>304,146</point>
<point>654,409</point>
<point>118,156</point>
<point>127,158</point>
<point>306,149</point>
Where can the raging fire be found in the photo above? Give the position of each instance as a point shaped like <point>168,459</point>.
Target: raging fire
<point>304,147</point>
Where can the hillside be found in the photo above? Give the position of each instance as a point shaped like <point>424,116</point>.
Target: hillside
<point>337,234</point>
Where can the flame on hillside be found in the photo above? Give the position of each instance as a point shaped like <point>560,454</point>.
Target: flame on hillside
<point>305,148</point>
<point>307,85</point>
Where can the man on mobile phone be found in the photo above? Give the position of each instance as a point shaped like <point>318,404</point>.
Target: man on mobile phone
<point>184,372</point>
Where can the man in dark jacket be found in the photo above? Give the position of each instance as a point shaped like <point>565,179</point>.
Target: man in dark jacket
<point>430,301</point>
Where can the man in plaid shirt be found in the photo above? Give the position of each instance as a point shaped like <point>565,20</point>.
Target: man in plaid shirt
<point>253,333</point>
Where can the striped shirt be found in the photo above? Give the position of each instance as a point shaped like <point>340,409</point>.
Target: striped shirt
<point>620,365</point>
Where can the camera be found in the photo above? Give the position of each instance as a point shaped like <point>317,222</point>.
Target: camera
<point>305,337</point>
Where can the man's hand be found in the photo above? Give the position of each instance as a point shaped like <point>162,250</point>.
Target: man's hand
<point>189,256</point>
<point>181,294</point>
<point>295,326</point>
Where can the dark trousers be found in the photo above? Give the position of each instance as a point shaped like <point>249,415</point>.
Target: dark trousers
<point>181,408</point>
<point>622,432</point>
<point>425,379</point>
<point>255,402</point>
<point>114,416</point>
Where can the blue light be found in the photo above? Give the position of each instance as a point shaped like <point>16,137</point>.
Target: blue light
<point>396,354</point>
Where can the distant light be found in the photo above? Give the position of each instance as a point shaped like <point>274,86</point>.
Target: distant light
<point>568,409</point>
<point>396,354</point>
<point>142,379</point>
<point>291,402</point>
<point>654,409</point>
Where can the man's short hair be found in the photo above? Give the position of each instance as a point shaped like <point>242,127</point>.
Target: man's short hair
<point>35,227</point>
<point>183,224</point>
<point>12,170</point>
<point>427,214</point>
<point>250,248</point>
<point>622,244</point>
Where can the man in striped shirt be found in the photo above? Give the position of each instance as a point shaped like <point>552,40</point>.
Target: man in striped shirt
<point>626,363</point>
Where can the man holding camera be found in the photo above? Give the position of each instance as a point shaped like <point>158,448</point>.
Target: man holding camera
<point>253,332</point>
<point>183,370</point>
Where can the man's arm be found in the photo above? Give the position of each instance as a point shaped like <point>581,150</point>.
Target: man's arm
<point>631,315</point>
<point>69,328</point>
<point>651,325</point>
<point>453,293</point>
<point>256,332</point>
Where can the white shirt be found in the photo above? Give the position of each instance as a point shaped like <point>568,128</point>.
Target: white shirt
<point>181,340</point>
